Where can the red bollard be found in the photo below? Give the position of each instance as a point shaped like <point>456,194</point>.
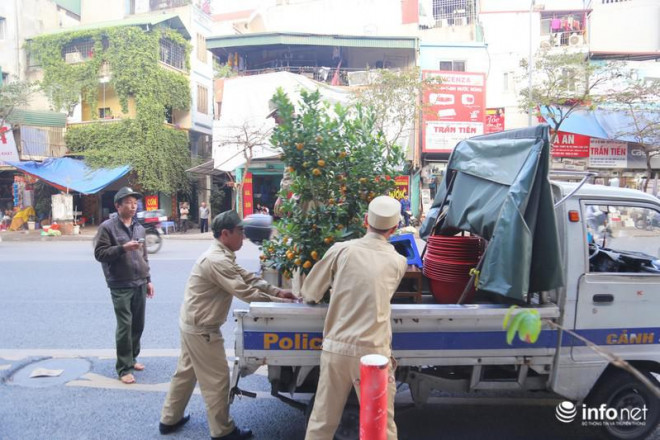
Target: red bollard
<point>374,369</point>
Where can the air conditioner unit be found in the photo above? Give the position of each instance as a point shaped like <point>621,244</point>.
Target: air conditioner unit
<point>575,40</point>
<point>73,57</point>
<point>460,21</point>
<point>546,42</point>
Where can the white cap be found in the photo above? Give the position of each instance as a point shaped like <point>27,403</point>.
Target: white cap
<point>384,212</point>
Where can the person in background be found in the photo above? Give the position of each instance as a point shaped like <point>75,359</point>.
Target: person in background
<point>405,210</point>
<point>214,281</point>
<point>363,275</point>
<point>183,217</point>
<point>119,247</point>
<point>204,213</point>
<point>287,180</point>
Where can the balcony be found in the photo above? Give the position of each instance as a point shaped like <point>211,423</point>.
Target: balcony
<point>563,39</point>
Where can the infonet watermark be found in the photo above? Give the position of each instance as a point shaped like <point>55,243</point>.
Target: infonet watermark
<point>567,412</point>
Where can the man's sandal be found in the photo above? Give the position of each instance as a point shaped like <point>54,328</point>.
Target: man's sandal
<point>127,379</point>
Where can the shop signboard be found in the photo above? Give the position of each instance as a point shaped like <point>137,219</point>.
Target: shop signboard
<point>571,145</point>
<point>454,110</point>
<point>494,120</point>
<point>248,198</point>
<point>605,153</point>
<point>401,187</point>
<point>8,149</point>
<point>636,156</point>
<point>151,203</point>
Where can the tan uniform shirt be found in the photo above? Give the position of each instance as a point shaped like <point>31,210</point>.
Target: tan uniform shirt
<point>364,274</point>
<point>214,281</point>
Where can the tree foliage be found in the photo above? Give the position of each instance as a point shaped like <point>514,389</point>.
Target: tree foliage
<point>636,100</point>
<point>563,82</point>
<point>338,161</point>
<point>158,154</point>
<point>394,97</point>
<point>15,94</point>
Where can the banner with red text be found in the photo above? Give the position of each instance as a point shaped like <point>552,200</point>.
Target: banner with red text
<point>248,201</point>
<point>570,145</point>
<point>151,203</point>
<point>494,120</point>
<point>401,188</point>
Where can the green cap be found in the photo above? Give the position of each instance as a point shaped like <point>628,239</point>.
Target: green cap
<point>225,220</point>
<point>125,192</point>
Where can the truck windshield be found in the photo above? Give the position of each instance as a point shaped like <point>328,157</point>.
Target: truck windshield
<point>622,238</point>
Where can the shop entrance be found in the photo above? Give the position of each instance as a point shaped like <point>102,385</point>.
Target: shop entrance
<point>265,189</point>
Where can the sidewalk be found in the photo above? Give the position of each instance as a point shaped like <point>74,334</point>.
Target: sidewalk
<point>87,234</point>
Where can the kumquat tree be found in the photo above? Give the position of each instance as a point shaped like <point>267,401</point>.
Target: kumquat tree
<point>338,162</point>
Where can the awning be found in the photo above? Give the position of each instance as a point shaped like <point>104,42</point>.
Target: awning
<point>206,169</point>
<point>579,122</point>
<point>604,123</point>
<point>69,174</point>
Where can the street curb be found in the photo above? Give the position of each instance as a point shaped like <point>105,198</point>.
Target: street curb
<point>16,236</point>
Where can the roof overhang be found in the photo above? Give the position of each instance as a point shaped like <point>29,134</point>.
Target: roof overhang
<point>144,21</point>
<point>207,169</point>
<point>633,56</point>
<point>302,39</point>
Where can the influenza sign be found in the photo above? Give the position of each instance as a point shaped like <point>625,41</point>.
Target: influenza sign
<point>605,153</point>
<point>454,110</point>
<point>8,149</point>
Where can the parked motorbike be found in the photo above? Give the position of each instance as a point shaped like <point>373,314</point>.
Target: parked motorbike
<point>150,220</point>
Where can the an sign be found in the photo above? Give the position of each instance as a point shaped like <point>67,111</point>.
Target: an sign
<point>571,145</point>
<point>8,149</point>
<point>494,120</point>
<point>401,188</point>
<point>151,203</point>
<point>454,110</point>
<point>605,153</point>
<point>248,198</point>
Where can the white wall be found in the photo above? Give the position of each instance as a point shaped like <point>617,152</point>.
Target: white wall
<point>630,26</point>
<point>26,19</point>
<point>351,17</point>
<point>91,11</point>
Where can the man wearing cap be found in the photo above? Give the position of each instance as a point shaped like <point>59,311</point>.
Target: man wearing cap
<point>363,275</point>
<point>120,249</point>
<point>286,181</point>
<point>214,281</point>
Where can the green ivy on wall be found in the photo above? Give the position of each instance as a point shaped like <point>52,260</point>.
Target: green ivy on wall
<point>158,154</point>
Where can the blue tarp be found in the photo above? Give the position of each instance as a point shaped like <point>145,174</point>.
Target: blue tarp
<point>604,123</point>
<point>579,122</point>
<point>71,175</point>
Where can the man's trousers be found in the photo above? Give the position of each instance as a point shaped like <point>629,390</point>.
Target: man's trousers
<point>129,304</point>
<point>338,375</point>
<point>202,360</point>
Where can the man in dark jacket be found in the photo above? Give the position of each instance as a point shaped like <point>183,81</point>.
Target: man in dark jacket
<point>119,246</point>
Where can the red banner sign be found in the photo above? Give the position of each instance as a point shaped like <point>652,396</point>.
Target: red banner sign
<point>402,187</point>
<point>151,203</point>
<point>455,110</point>
<point>571,145</point>
<point>248,201</point>
<point>494,120</point>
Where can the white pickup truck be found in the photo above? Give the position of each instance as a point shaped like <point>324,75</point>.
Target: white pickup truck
<point>609,241</point>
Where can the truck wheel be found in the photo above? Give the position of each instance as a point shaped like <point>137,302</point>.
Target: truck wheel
<point>349,425</point>
<point>621,390</point>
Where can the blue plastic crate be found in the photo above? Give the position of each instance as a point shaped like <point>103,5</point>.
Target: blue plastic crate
<point>405,245</point>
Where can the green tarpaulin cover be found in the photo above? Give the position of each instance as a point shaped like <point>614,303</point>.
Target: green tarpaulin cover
<point>501,192</point>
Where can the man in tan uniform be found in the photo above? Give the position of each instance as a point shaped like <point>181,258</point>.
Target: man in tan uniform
<point>363,275</point>
<point>214,281</point>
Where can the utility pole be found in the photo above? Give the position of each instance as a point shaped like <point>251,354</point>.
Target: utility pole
<point>530,66</point>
